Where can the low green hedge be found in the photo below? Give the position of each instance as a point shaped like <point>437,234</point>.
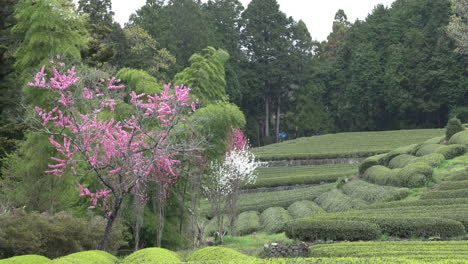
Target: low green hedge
<point>336,201</point>
<point>247,223</point>
<point>371,161</point>
<point>375,260</point>
<point>427,202</point>
<point>449,151</point>
<point>26,259</point>
<point>459,175</point>
<point>274,219</point>
<point>436,140</point>
<point>413,175</point>
<point>453,185</point>
<point>372,193</point>
<point>460,138</point>
<point>401,161</point>
<point>462,193</point>
<point>152,256</point>
<point>396,152</point>
<point>298,179</point>
<point>301,209</point>
<point>87,257</point>
<point>308,229</point>
<point>219,254</point>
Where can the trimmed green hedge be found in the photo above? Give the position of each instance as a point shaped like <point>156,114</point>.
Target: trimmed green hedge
<point>413,175</point>
<point>87,257</point>
<point>400,161</point>
<point>453,185</point>
<point>372,193</point>
<point>462,193</point>
<point>308,229</point>
<point>427,202</point>
<point>336,201</point>
<point>274,219</point>
<point>436,140</point>
<point>301,209</point>
<point>460,138</point>
<point>386,260</point>
<point>219,254</point>
<point>26,259</point>
<point>449,151</point>
<point>398,151</point>
<point>371,161</point>
<point>152,256</point>
<point>247,223</point>
<point>459,175</point>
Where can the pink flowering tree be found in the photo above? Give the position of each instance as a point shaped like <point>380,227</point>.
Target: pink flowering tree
<point>123,154</point>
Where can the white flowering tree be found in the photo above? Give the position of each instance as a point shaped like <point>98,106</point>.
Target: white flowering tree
<point>228,176</point>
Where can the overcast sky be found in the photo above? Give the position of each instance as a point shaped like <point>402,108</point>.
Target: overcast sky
<point>317,14</point>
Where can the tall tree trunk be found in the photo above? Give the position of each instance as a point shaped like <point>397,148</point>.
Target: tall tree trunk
<point>159,206</point>
<point>139,215</point>
<point>110,223</point>
<point>267,116</point>
<point>278,113</point>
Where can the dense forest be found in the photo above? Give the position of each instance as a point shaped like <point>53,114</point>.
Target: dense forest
<point>254,68</point>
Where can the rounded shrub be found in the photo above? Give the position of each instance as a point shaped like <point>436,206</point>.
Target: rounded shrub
<point>449,151</point>
<point>308,229</point>
<point>247,223</point>
<point>400,161</point>
<point>301,209</point>
<point>454,126</point>
<point>460,138</point>
<point>398,151</point>
<point>274,219</point>
<point>381,175</point>
<point>336,201</point>
<point>459,175</point>
<point>87,257</point>
<point>371,161</point>
<point>372,193</point>
<point>26,259</point>
<point>461,193</point>
<point>414,175</point>
<point>453,185</point>
<point>152,256</point>
<point>218,254</point>
<point>436,140</point>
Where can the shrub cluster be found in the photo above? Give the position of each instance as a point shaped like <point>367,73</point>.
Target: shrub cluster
<point>87,257</point>
<point>274,219</point>
<point>454,126</point>
<point>413,175</point>
<point>461,193</point>
<point>153,256</point>
<point>336,201</point>
<point>308,229</point>
<point>400,161</point>
<point>436,140</point>
<point>247,223</point>
<point>453,185</point>
<point>53,236</point>
<point>427,202</point>
<point>212,225</point>
<point>449,151</point>
<point>396,152</point>
<point>372,193</point>
<point>460,138</point>
<point>371,161</point>
<point>459,175</point>
<point>301,209</point>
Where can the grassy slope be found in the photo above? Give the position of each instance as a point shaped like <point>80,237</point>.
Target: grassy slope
<point>354,144</point>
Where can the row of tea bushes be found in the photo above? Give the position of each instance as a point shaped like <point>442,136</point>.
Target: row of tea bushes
<point>372,193</point>
<point>336,201</point>
<point>413,175</point>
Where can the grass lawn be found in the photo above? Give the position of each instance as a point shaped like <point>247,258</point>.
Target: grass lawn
<point>253,244</point>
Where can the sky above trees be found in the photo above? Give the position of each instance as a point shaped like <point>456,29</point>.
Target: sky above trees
<point>318,14</point>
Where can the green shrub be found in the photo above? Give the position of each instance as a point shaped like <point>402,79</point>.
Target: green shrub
<point>336,201</point>
<point>453,185</point>
<point>247,223</point>
<point>26,259</point>
<point>433,160</point>
<point>462,193</point>
<point>152,256</point>
<point>454,126</point>
<point>400,161</point>
<point>53,236</point>
<point>398,151</point>
<point>307,229</point>
<point>212,225</point>
<point>273,220</point>
<point>371,161</point>
<point>372,193</point>
<point>220,254</point>
<point>413,175</point>
<point>460,138</point>
<point>87,257</point>
<point>449,151</point>
<point>427,202</point>
<point>459,175</point>
<point>301,209</point>
<point>436,140</point>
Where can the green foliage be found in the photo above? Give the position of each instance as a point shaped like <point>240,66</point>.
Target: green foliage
<point>217,254</point>
<point>398,151</point>
<point>138,81</point>
<point>454,126</point>
<point>212,225</point>
<point>436,140</point>
<point>459,175</point>
<point>336,201</point>
<point>247,223</point>
<point>412,203</point>
<point>460,193</point>
<point>205,76</point>
<point>273,220</point>
<point>26,259</point>
<point>307,229</point>
<point>401,161</point>
<point>372,193</point>
<point>152,256</point>
<point>453,185</point>
<point>53,236</point>
<point>422,250</point>
<point>87,257</point>
<point>301,209</point>
<point>413,175</point>
<point>460,138</point>
<point>371,161</point>
<point>449,151</point>
<point>292,175</point>
<point>461,113</point>
<point>344,145</point>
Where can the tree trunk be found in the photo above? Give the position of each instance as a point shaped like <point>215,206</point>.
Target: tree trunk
<point>278,113</point>
<point>139,215</point>
<point>159,206</point>
<point>267,116</point>
<point>110,223</point>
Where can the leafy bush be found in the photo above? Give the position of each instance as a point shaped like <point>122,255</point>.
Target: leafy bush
<point>247,223</point>
<point>400,161</point>
<point>427,202</point>
<point>398,151</point>
<point>459,175</point>
<point>382,175</point>
<point>376,260</point>
<point>420,227</point>
<point>372,193</point>
<point>462,193</point>
<point>436,140</point>
<point>87,257</point>
<point>212,225</point>
<point>308,229</point>
<point>53,236</point>
<point>454,126</point>
<point>336,201</point>
<point>413,175</point>
<point>26,259</point>
<point>273,220</point>
<point>449,151</point>
<point>371,161</point>
<point>152,256</point>
<point>460,138</point>
<point>220,254</point>
<point>453,185</point>
<point>301,209</point>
